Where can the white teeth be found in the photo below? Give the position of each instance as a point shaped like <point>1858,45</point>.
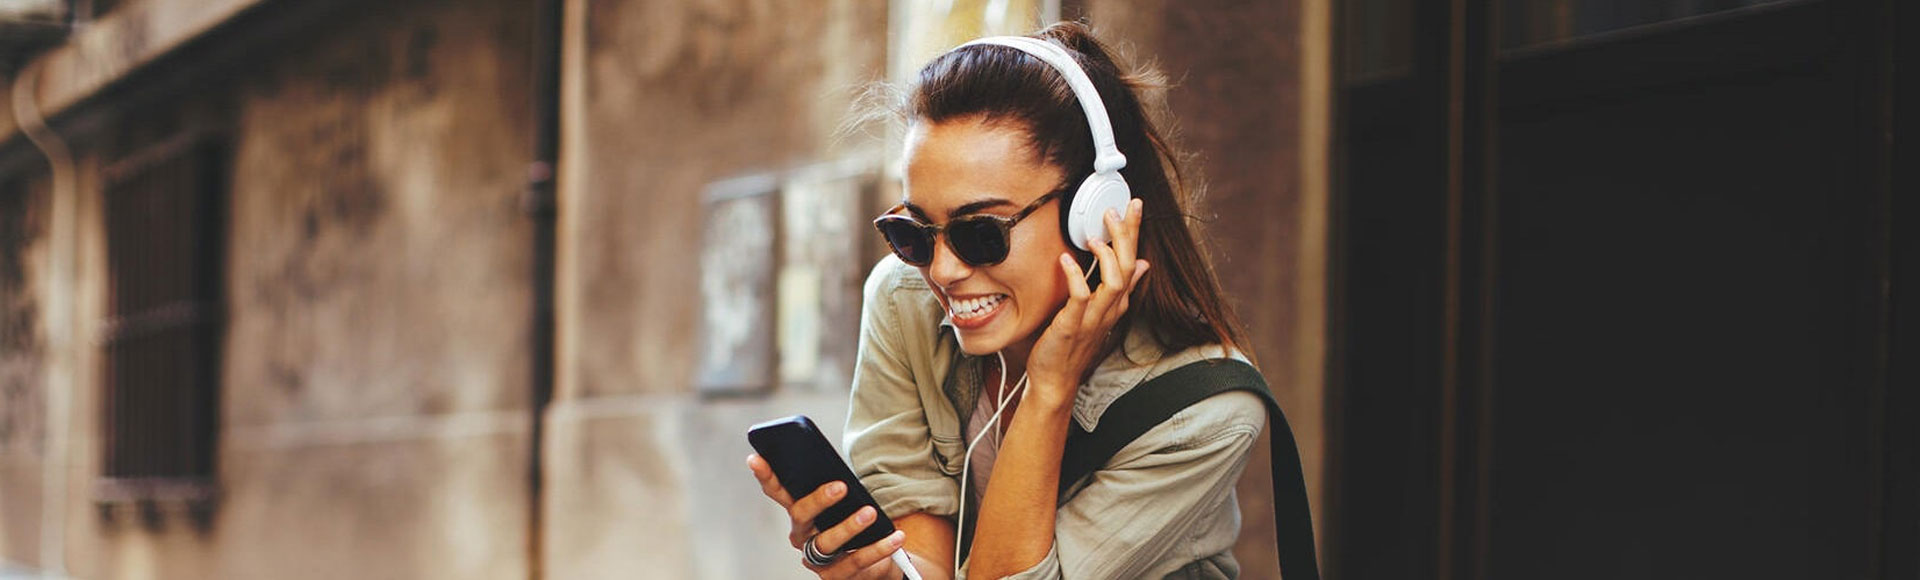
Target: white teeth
<point>973,307</point>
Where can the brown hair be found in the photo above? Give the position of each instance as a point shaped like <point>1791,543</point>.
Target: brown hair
<point>1179,300</point>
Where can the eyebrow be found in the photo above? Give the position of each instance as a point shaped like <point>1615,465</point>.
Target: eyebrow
<point>971,207</point>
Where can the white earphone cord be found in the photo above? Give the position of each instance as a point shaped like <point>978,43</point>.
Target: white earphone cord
<point>966,462</point>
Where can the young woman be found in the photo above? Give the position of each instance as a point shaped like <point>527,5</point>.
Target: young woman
<point>988,334</point>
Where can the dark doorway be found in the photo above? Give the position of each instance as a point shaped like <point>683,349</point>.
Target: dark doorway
<point>1619,292</point>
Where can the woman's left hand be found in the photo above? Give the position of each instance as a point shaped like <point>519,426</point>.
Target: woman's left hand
<point>1071,343</point>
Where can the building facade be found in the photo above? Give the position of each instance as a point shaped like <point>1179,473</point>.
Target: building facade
<point>432,289</point>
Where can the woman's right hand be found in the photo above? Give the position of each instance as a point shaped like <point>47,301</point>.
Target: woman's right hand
<point>867,562</point>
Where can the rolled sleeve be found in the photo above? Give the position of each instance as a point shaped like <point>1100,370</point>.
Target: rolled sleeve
<point>888,440</point>
<point>1047,569</point>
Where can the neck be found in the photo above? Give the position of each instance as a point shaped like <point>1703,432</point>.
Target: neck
<point>1016,356</point>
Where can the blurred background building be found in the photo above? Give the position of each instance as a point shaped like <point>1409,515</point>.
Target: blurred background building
<point>492,288</point>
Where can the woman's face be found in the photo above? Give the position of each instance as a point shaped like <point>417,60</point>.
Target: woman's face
<point>964,167</point>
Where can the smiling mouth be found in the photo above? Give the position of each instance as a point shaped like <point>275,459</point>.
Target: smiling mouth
<point>974,308</point>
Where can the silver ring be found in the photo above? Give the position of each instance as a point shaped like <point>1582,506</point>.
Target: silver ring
<point>813,555</point>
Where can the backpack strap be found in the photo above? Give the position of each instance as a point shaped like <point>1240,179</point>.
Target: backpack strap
<point>1150,403</point>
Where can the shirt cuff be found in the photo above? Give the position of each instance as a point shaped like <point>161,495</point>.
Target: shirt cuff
<point>1047,569</point>
<point>899,496</point>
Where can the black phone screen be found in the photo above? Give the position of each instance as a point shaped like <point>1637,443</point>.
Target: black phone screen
<point>803,460</point>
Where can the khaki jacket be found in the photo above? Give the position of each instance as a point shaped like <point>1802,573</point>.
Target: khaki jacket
<point>1164,506</point>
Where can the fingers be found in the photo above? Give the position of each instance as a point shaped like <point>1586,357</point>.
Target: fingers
<point>1112,274</point>
<point>860,563</point>
<point>852,564</point>
<point>1124,230</point>
<point>1139,272</point>
<point>1128,252</point>
<point>1120,269</point>
<point>1077,290</point>
<point>836,537</point>
<point>805,509</point>
<point>769,485</point>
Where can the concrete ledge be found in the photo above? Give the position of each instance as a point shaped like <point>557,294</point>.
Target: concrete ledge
<point>658,483</point>
<point>111,48</point>
<point>12,572</point>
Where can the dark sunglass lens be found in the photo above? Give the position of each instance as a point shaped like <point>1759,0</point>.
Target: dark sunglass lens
<point>979,242</point>
<point>908,240</point>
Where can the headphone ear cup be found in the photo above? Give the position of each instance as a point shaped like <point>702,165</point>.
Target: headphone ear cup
<point>1099,193</point>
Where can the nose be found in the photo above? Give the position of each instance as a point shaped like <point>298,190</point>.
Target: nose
<point>946,267</point>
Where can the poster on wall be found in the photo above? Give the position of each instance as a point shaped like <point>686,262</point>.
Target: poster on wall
<point>822,268</point>
<point>737,268</point>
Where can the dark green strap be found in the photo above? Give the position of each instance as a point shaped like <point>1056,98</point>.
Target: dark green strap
<point>1153,402</point>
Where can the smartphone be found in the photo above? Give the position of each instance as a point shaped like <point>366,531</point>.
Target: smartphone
<point>803,460</point>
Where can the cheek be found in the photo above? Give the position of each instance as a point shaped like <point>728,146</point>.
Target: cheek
<point>1042,288</point>
<point>1033,268</point>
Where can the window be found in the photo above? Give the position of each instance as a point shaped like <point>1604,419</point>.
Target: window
<point>21,384</point>
<point>165,226</point>
<point>785,256</point>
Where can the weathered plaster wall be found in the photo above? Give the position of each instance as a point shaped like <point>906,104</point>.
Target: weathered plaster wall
<point>23,363</point>
<point>378,280</point>
<point>664,98</point>
<point>672,96</point>
<point>374,419</point>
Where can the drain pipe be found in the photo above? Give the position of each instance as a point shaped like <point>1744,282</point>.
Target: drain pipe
<point>64,226</point>
<point>542,205</point>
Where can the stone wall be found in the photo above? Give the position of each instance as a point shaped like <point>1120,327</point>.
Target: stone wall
<point>375,369</point>
<point>667,103</point>
<point>24,232</point>
<point>379,287</point>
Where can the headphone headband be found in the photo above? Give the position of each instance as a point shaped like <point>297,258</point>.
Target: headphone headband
<point>1107,157</point>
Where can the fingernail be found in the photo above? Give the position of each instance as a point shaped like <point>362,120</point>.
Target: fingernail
<point>865,516</point>
<point>836,488</point>
<point>896,539</point>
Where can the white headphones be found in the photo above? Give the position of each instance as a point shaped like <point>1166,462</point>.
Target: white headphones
<point>1105,189</point>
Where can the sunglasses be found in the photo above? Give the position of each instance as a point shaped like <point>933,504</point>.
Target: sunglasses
<point>977,239</point>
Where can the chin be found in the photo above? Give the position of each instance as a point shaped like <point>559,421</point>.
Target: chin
<point>975,344</point>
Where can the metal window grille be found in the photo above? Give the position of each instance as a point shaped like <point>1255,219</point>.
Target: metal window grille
<point>21,385</point>
<point>165,229</point>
